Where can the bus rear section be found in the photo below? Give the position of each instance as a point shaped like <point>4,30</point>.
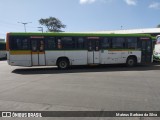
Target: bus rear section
<point>25,51</point>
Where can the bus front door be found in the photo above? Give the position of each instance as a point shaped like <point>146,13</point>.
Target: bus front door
<point>38,53</point>
<point>93,51</point>
<point>146,51</point>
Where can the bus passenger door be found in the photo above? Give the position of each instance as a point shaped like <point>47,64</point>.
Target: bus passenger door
<point>38,53</point>
<point>146,50</point>
<point>93,50</point>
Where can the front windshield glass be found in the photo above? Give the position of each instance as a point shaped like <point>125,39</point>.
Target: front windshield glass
<point>158,40</point>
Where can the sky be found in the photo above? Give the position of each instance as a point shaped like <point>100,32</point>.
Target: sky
<point>79,15</point>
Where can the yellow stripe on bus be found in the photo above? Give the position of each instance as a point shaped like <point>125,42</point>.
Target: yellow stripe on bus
<point>24,52</point>
<point>37,52</point>
<point>20,52</point>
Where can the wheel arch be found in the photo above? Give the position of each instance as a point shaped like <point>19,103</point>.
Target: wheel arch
<point>63,57</point>
<point>132,56</point>
<point>131,61</point>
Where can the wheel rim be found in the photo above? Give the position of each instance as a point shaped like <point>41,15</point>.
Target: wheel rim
<point>130,62</point>
<point>62,64</point>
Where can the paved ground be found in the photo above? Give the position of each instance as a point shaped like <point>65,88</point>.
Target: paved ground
<point>109,88</point>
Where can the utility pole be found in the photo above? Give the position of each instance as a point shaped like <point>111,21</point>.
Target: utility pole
<point>41,29</point>
<point>24,23</point>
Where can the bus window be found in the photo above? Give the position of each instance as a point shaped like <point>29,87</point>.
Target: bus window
<point>67,43</point>
<point>90,47</point>
<point>34,46</point>
<point>158,40</point>
<point>149,45</point>
<point>50,43</point>
<point>25,44</point>
<point>97,45</point>
<point>41,45</point>
<point>80,43</point>
<point>20,43</point>
<point>118,42</point>
<point>105,43</point>
<point>132,43</point>
<point>59,44</point>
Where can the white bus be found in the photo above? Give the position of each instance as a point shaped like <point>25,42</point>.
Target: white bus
<point>66,49</point>
<point>156,52</point>
<point>2,50</point>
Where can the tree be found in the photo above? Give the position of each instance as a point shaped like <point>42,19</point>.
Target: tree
<point>53,24</point>
<point>158,26</point>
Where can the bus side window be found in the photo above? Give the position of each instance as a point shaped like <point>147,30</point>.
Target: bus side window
<point>139,44</point>
<point>97,45</point>
<point>158,40</point>
<point>20,43</point>
<point>118,42</point>
<point>67,43</point>
<point>59,44</point>
<point>50,43</point>
<point>34,45</point>
<point>149,44</point>
<point>132,43</point>
<point>105,43</point>
<point>80,44</point>
<point>90,45</point>
<point>41,45</point>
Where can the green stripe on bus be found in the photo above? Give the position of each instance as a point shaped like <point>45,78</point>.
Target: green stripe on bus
<point>79,34</point>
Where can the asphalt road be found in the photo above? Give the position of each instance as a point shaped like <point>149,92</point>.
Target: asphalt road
<point>102,88</point>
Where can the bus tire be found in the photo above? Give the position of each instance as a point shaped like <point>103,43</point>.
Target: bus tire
<point>63,63</point>
<point>131,61</point>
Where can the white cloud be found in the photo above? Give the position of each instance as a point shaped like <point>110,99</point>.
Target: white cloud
<point>86,1</point>
<point>131,2</point>
<point>155,5</point>
<point>92,1</point>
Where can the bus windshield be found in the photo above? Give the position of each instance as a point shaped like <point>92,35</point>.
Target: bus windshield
<point>158,40</point>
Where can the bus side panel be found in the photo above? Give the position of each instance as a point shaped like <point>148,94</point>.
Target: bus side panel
<point>116,57</point>
<point>75,57</point>
<point>20,60</point>
<point>52,56</point>
<point>111,57</point>
<point>126,54</point>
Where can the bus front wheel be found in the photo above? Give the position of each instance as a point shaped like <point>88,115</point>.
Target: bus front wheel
<point>63,63</point>
<point>131,62</point>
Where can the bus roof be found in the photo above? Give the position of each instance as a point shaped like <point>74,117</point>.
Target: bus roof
<point>75,34</point>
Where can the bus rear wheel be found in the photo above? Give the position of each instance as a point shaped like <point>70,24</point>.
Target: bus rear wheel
<point>63,63</point>
<point>131,62</point>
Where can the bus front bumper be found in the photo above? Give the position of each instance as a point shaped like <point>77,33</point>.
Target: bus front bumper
<point>156,58</point>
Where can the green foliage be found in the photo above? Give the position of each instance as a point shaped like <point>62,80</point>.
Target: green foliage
<point>53,24</point>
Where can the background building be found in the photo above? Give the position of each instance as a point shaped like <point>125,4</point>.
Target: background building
<point>152,31</point>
